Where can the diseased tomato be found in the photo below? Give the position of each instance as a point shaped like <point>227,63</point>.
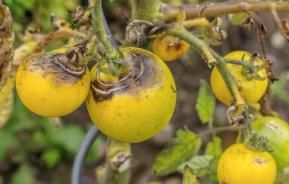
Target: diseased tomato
<point>239,165</point>
<point>51,85</point>
<point>139,104</point>
<point>251,89</point>
<point>169,48</point>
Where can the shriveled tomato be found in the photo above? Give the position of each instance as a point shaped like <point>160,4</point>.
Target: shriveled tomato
<point>169,48</point>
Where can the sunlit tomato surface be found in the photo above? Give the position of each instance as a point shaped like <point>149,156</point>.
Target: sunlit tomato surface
<point>251,89</point>
<point>139,104</point>
<point>241,165</point>
<point>47,89</point>
<point>169,48</point>
<point>277,132</point>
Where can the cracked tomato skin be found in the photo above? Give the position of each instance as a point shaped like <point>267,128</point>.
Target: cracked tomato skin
<point>169,48</point>
<point>239,165</point>
<point>251,90</point>
<point>140,111</point>
<point>277,132</point>
<point>47,90</point>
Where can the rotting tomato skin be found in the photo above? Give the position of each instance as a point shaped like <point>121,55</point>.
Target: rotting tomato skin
<point>239,165</point>
<point>46,89</point>
<point>277,132</point>
<point>169,48</point>
<point>251,90</point>
<point>141,110</point>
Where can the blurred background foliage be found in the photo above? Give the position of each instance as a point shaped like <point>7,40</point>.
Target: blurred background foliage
<point>32,148</point>
<point>40,150</point>
<point>37,12</point>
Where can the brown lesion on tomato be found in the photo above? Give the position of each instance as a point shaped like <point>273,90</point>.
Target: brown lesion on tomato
<point>63,67</point>
<point>174,44</point>
<point>259,160</point>
<point>143,72</point>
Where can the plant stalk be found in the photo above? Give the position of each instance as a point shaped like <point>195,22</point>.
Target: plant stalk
<point>99,29</point>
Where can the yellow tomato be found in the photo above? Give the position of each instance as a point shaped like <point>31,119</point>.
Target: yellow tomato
<point>169,48</point>
<point>250,89</point>
<point>47,89</point>
<point>139,104</point>
<point>241,165</point>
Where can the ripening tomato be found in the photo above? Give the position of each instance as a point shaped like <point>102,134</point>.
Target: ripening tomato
<point>277,132</point>
<point>169,48</point>
<point>239,165</point>
<point>250,89</point>
<point>48,88</point>
<point>137,105</point>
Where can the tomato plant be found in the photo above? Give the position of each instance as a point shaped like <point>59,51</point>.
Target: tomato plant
<point>97,59</point>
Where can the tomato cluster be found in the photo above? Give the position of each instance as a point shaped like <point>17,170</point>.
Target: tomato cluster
<point>132,107</point>
<point>242,162</point>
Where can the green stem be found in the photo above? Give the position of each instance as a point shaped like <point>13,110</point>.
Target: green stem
<point>228,78</point>
<point>189,177</point>
<point>212,58</point>
<point>221,129</point>
<point>145,9</point>
<point>118,164</point>
<point>98,26</point>
<point>194,42</point>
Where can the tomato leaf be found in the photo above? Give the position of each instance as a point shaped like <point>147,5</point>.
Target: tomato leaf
<point>70,138</point>
<point>189,176</point>
<point>200,164</point>
<point>180,149</point>
<point>25,174</point>
<point>214,148</point>
<point>206,103</point>
<point>51,157</point>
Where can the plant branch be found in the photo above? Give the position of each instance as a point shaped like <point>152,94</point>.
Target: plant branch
<point>145,9</point>
<point>198,22</point>
<point>99,28</point>
<point>220,129</point>
<point>214,59</point>
<point>194,42</point>
<point>206,10</point>
<point>118,164</point>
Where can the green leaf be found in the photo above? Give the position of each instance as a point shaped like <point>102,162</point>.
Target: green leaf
<point>51,157</point>
<point>189,176</point>
<point>214,147</point>
<point>24,175</point>
<point>180,149</point>
<point>94,150</point>
<point>278,88</point>
<point>200,164</point>
<point>206,103</point>
<point>69,137</point>
<point>8,142</point>
<point>238,18</point>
